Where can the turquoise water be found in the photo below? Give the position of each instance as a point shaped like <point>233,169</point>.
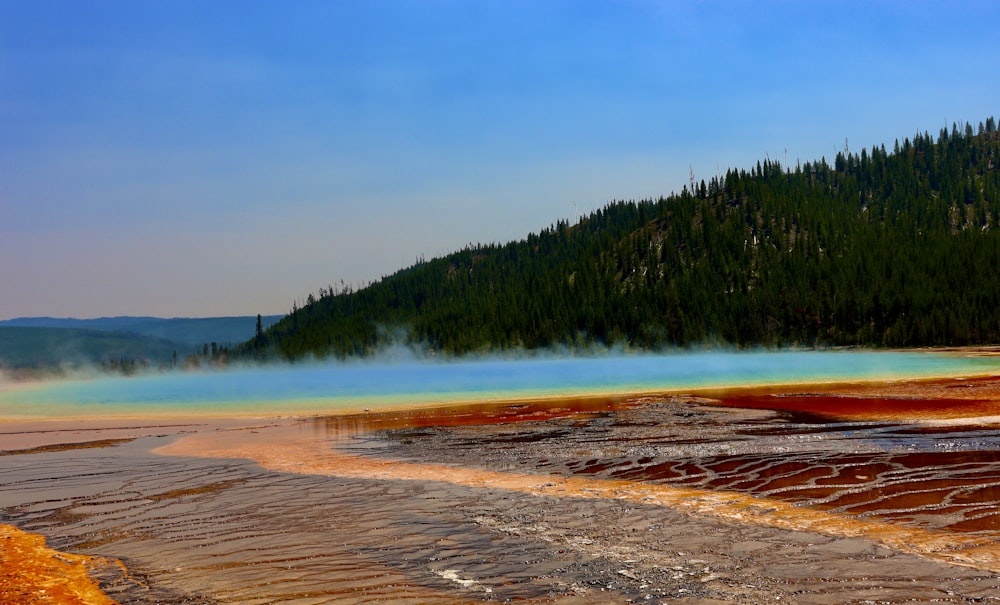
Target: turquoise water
<point>315,388</point>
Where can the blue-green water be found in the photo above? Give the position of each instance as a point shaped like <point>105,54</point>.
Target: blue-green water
<point>316,388</point>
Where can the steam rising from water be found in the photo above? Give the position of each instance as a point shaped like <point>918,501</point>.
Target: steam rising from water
<point>321,387</point>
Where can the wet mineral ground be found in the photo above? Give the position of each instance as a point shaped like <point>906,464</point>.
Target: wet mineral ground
<point>832,495</point>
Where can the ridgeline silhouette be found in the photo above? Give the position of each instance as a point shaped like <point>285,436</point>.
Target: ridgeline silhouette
<point>883,248</point>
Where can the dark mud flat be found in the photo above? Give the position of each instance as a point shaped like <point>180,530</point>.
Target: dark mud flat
<point>362,526</point>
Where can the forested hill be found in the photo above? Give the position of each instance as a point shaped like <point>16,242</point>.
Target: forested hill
<point>897,247</point>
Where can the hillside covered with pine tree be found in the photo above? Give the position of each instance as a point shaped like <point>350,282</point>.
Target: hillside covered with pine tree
<point>886,247</point>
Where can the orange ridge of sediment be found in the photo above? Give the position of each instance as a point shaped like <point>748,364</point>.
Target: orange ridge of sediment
<point>31,572</point>
<point>290,450</point>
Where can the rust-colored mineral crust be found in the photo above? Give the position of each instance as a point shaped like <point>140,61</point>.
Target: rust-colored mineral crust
<point>31,572</point>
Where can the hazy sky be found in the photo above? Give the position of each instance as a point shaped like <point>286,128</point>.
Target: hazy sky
<point>199,158</point>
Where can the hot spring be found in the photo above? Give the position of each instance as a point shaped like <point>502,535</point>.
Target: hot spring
<point>331,387</point>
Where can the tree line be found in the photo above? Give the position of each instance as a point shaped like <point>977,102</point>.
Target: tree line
<point>881,248</point>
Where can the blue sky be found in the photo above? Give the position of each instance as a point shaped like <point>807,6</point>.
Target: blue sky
<point>200,158</point>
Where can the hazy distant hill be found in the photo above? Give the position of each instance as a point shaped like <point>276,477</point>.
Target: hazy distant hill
<point>194,331</point>
<point>897,247</point>
<point>47,341</point>
<point>36,347</point>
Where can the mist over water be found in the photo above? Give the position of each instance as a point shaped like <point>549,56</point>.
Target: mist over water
<point>319,387</point>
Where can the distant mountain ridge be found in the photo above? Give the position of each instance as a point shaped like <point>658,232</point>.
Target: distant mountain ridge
<point>885,248</point>
<point>188,330</point>
<point>43,347</point>
<point>45,342</point>
<point>100,323</point>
